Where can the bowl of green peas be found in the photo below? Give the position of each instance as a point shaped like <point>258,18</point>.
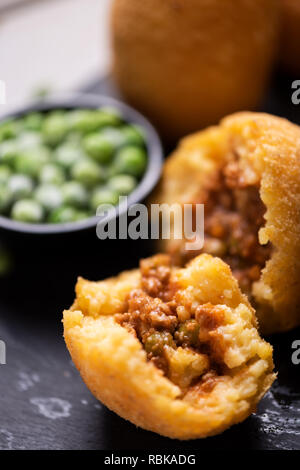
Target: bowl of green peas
<point>63,157</point>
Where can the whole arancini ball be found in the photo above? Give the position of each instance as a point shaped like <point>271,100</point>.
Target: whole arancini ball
<point>290,35</point>
<point>186,64</point>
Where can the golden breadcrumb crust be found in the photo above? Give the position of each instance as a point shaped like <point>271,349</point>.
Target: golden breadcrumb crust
<point>290,36</point>
<point>114,366</point>
<point>268,150</point>
<point>186,64</point>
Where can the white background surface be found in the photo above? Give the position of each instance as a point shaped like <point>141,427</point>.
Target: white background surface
<point>52,43</point>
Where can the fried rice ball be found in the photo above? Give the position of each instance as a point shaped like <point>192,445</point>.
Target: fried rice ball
<point>174,351</point>
<point>186,64</point>
<point>290,36</point>
<point>246,172</point>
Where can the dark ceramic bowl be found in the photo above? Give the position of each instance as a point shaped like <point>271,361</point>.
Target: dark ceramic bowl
<point>147,183</point>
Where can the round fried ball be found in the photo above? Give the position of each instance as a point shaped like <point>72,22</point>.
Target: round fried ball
<point>186,64</point>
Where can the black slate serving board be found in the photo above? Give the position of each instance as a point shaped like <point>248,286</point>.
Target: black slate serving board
<point>43,401</point>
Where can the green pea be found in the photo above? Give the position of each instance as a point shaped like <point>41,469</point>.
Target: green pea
<point>74,194</point>
<point>20,186</point>
<point>49,196</point>
<point>107,117</point>
<point>8,130</point>
<point>54,129</point>
<point>33,121</point>
<point>188,333</point>
<point>87,172</point>
<point>112,114</point>
<point>133,135</point>
<point>123,184</point>
<point>63,215</point>
<point>156,341</point>
<point>104,196</point>
<point>74,138</point>
<point>8,152</point>
<point>31,161</point>
<point>111,171</point>
<point>131,160</point>
<point>52,174</point>
<point>98,147</point>
<point>5,198</point>
<point>27,210</point>
<point>28,140</point>
<point>124,136</point>
<point>88,120</point>
<point>67,154</point>
<point>114,135</point>
<point>83,121</point>
<point>5,173</point>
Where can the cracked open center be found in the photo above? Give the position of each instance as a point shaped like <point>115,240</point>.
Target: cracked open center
<point>180,338</point>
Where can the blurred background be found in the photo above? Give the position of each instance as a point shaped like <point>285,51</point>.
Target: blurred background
<point>51,45</point>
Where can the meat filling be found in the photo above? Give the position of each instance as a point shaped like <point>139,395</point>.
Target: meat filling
<point>234,213</point>
<point>179,341</point>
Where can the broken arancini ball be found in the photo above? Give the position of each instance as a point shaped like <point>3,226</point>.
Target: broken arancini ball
<point>246,172</point>
<point>175,351</point>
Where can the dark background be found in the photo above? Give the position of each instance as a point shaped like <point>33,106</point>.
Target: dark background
<point>44,403</point>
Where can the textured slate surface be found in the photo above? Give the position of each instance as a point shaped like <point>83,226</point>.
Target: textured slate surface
<point>43,402</point>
